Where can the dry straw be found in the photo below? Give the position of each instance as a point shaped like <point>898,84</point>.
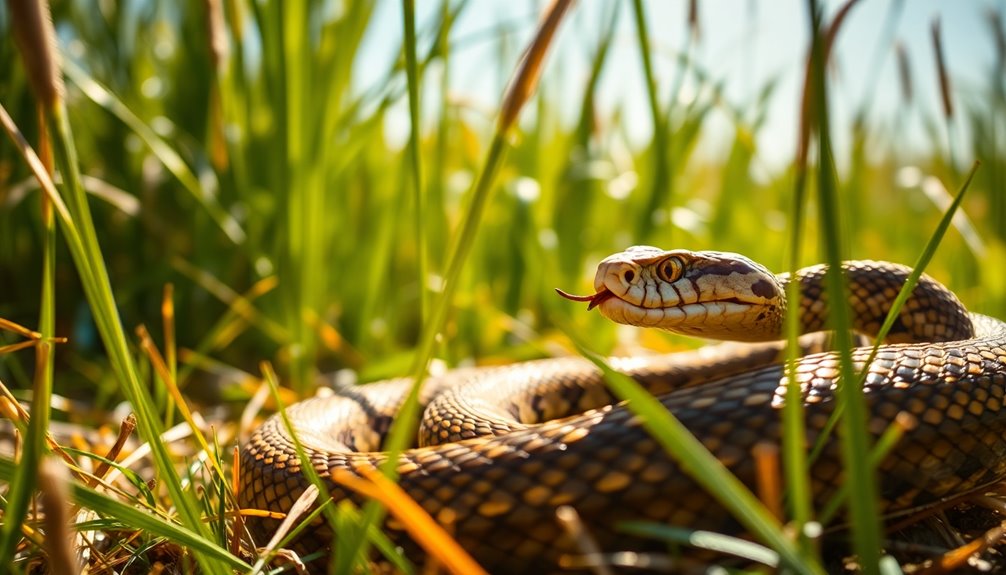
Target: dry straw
<point>526,79</point>
<point>948,102</point>
<point>53,486</point>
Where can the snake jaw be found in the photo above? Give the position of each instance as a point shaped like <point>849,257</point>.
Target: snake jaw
<point>593,300</point>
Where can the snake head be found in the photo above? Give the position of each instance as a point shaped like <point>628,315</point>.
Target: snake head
<point>714,295</point>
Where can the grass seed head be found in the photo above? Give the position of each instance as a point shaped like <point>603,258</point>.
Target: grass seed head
<point>33,31</point>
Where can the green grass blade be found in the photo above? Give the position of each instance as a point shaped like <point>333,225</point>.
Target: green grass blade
<point>855,441</point>
<point>920,266</point>
<point>794,450</point>
<point>906,291</point>
<point>703,466</point>
<point>408,416</point>
<point>708,540</point>
<point>405,423</point>
<point>306,465</point>
<point>302,192</point>
<point>660,187</point>
<point>22,487</point>
<point>88,258</point>
<point>168,157</point>
<point>887,441</point>
<point>518,92</point>
<point>415,126</point>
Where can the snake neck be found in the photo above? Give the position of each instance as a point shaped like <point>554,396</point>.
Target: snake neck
<point>872,289</point>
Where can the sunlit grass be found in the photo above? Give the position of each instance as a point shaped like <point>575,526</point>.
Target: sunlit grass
<point>293,231</point>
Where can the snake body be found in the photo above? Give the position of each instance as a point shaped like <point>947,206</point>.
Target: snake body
<point>501,449</point>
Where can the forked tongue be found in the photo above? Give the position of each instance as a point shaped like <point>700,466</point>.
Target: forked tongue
<point>594,300</point>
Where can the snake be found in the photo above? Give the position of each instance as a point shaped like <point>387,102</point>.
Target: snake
<point>500,449</point>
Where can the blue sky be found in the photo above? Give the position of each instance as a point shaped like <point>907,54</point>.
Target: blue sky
<point>744,44</point>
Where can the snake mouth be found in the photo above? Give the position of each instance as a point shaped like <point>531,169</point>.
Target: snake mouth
<point>593,300</point>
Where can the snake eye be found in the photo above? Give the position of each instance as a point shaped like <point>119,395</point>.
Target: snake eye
<point>670,270</point>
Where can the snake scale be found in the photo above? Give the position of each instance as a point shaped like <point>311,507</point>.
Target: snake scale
<point>502,448</point>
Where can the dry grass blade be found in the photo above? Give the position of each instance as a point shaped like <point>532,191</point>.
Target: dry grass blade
<point>237,304</point>
<point>18,346</point>
<point>526,79</point>
<point>836,25</point>
<point>38,170</point>
<point>766,456</point>
<point>299,508</point>
<point>168,316</point>
<point>53,480</point>
<point>589,549</point>
<point>125,430</point>
<point>941,69</point>
<point>19,329</point>
<point>16,413</point>
<point>405,424</point>
<point>238,529</point>
<point>254,406</point>
<point>34,337</point>
<point>420,526</point>
<point>956,559</point>
<point>808,114</point>
<point>157,360</point>
<point>693,19</point>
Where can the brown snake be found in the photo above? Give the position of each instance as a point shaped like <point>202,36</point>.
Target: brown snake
<point>503,448</point>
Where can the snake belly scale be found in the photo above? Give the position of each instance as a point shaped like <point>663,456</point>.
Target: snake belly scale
<point>502,448</point>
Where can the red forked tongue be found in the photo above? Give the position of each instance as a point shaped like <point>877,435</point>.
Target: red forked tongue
<point>595,299</point>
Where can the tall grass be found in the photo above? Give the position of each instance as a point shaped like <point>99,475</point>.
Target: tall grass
<point>293,230</point>
<point>855,441</point>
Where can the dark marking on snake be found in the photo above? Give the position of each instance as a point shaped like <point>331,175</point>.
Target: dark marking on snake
<point>721,268</point>
<point>677,291</point>
<point>763,288</point>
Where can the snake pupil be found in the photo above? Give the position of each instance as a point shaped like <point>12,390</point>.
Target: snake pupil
<point>670,270</point>
<point>629,276</point>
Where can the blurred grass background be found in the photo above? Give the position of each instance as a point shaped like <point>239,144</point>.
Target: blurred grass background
<point>257,164</point>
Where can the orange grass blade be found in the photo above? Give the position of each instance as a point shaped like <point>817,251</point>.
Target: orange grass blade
<point>157,360</point>
<point>19,329</point>
<point>766,456</point>
<point>239,521</point>
<point>421,527</point>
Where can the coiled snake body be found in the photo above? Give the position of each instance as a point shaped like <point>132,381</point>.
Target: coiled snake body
<point>503,448</point>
